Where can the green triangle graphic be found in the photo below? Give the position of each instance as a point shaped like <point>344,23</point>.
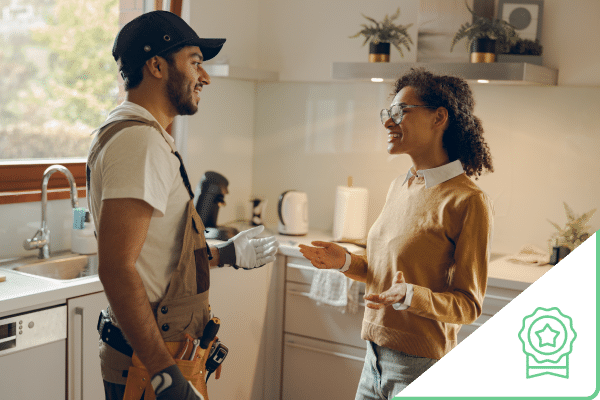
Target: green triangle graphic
<point>490,362</point>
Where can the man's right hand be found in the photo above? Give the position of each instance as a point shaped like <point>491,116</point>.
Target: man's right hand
<point>170,384</point>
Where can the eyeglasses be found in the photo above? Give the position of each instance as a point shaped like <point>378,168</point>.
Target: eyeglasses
<point>396,112</point>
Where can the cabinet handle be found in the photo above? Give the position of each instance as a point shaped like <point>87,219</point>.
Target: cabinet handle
<point>302,267</point>
<point>79,312</point>
<point>330,353</point>
<point>304,294</point>
<point>501,298</point>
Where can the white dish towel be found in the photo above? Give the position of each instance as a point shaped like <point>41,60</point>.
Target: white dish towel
<point>332,288</point>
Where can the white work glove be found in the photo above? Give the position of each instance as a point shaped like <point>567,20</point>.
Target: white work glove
<point>170,384</point>
<point>242,251</point>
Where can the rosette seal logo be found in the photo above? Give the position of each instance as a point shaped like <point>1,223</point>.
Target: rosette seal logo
<point>547,336</point>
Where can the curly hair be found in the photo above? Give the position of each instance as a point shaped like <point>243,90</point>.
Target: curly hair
<point>463,139</point>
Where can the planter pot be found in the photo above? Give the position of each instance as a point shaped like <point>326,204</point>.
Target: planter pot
<point>519,58</point>
<point>558,253</point>
<point>483,50</point>
<point>379,52</point>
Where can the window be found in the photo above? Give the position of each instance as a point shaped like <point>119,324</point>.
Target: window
<point>58,78</point>
<point>58,81</point>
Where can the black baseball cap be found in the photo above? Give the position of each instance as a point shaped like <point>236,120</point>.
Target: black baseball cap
<point>156,33</point>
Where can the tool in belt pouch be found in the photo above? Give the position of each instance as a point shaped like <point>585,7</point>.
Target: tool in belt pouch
<point>183,312</point>
<point>190,357</point>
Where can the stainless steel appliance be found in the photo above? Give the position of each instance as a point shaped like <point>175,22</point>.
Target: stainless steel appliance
<point>293,213</point>
<point>32,354</point>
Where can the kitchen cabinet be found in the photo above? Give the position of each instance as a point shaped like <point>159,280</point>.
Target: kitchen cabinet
<point>249,306</point>
<point>84,380</point>
<point>323,353</point>
<point>317,369</point>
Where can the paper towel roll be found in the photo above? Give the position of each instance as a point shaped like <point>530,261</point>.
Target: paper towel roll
<point>350,213</point>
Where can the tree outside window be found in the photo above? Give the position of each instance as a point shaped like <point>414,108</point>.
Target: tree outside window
<point>58,80</point>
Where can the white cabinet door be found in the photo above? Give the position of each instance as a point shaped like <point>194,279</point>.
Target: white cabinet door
<point>84,381</point>
<point>249,306</point>
<point>315,369</point>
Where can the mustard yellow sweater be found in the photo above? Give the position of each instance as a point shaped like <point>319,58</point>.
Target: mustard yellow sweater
<point>440,238</point>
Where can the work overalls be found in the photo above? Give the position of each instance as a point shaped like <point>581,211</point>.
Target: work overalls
<point>184,310</point>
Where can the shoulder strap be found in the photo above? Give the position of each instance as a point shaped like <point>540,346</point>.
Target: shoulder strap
<point>110,130</point>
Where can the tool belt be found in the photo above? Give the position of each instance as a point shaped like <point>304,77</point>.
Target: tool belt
<point>138,378</point>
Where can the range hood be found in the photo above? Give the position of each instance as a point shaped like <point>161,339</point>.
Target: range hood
<point>493,73</point>
<point>243,73</point>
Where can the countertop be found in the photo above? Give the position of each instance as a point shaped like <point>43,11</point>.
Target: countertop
<point>22,292</point>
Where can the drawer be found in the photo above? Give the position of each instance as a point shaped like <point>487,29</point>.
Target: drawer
<point>299,270</point>
<point>313,369</point>
<point>496,298</point>
<point>304,317</point>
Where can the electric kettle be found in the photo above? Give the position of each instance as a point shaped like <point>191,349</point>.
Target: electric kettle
<point>293,213</point>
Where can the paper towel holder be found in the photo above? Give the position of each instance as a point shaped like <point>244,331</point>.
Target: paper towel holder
<point>350,213</point>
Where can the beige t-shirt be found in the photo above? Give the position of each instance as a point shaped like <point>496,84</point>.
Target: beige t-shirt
<point>139,163</point>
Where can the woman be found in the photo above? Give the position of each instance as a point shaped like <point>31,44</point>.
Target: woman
<point>427,253</point>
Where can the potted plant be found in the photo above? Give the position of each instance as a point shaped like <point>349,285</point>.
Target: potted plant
<point>573,233</point>
<point>524,50</point>
<point>382,34</point>
<point>485,37</point>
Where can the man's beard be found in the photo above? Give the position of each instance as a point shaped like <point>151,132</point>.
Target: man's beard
<point>180,93</point>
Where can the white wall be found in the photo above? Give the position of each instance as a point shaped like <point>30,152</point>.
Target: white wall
<point>300,40</point>
<point>220,139</point>
<point>570,36</point>
<point>316,133</point>
<point>235,20</point>
<point>544,143</point>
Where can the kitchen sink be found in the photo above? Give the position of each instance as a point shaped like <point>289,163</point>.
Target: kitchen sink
<point>61,267</point>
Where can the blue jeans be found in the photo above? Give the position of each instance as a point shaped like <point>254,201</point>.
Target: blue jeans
<point>387,372</point>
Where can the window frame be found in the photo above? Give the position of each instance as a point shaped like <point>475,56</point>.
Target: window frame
<point>21,180</point>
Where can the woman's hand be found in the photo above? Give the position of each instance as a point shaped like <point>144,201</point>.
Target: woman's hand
<point>395,294</point>
<point>325,256</point>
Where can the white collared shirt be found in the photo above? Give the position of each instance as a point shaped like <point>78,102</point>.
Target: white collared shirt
<point>432,176</point>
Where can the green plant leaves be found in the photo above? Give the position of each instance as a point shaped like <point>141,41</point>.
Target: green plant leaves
<point>575,231</point>
<point>386,32</point>
<point>496,29</point>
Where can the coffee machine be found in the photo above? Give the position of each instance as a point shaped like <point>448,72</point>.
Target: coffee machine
<point>209,197</point>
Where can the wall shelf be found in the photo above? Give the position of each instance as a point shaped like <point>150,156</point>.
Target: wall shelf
<point>243,73</point>
<point>495,73</point>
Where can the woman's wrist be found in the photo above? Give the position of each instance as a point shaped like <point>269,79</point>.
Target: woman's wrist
<point>346,265</point>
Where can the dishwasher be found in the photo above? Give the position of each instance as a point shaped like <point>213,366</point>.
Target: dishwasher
<point>33,354</point>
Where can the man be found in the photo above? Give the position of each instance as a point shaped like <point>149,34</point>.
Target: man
<point>153,258</point>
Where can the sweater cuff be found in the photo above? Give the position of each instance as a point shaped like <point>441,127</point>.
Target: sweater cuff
<point>346,266</point>
<point>410,290</point>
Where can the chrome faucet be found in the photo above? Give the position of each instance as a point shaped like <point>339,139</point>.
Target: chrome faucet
<point>41,240</point>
